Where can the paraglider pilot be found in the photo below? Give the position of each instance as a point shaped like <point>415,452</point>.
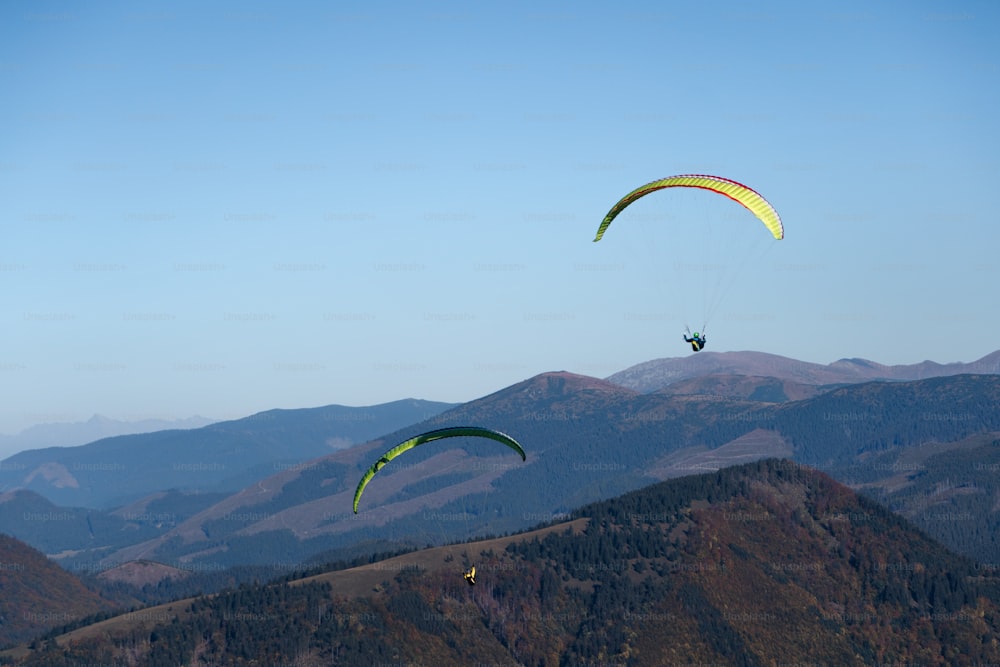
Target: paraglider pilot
<point>697,341</point>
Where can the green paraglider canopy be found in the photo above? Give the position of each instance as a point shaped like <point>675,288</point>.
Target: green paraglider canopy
<point>430,436</point>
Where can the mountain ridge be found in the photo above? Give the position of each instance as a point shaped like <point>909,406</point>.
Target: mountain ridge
<point>71,434</point>
<point>658,374</point>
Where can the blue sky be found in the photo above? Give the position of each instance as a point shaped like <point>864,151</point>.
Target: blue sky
<point>221,208</point>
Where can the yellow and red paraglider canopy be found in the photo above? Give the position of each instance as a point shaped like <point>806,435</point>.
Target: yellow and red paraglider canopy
<point>738,192</point>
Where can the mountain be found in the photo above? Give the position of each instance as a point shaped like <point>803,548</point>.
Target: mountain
<point>949,490</point>
<point>855,432</point>
<point>764,563</point>
<point>37,595</point>
<point>660,373</point>
<point>587,439</point>
<point>70,434</point>
<point>750,387</point>
<point>223,456</point>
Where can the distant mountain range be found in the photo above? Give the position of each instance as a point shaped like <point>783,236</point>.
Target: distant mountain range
<point>223,456</point>
<point>659,374</point>
<point>758,564</point>
<point>71,434</point>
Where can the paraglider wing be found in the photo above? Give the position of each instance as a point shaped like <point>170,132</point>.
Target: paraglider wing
<point>738,192</point>
<point>430,436</point>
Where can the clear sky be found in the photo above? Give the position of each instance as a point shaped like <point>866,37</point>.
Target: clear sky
<point>220,208</point>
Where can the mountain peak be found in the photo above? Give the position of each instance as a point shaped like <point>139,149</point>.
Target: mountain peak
<point>548,390</point>
<point>857,364</point>
<point>559,383</point>
<point>856,361</point>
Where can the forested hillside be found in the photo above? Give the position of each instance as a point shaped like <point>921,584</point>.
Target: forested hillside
<point>759,564</point>
<point>36,594</point>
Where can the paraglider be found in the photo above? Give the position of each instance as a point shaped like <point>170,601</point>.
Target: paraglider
<point>697,341</point>
<point>470,576</point>
<point>714,257</point>
<point>430,436</point>
<point>738,192</point>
